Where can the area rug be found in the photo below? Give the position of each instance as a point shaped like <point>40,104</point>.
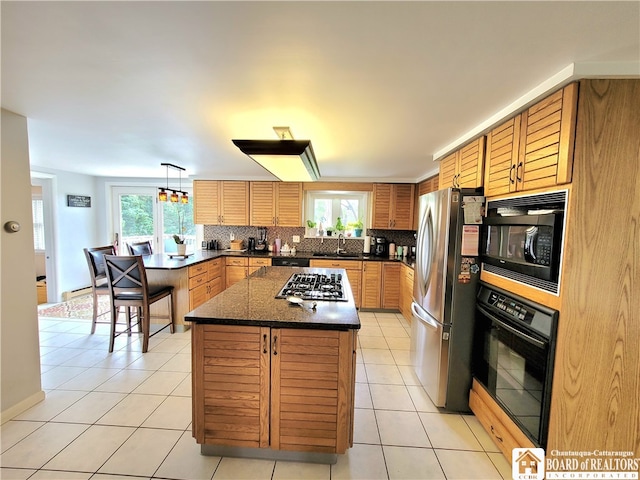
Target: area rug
<point>79,307</point>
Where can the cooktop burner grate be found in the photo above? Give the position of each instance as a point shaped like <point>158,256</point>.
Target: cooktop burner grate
<point>314,286</point>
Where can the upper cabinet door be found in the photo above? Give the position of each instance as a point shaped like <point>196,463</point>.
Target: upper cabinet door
<point>547,138</point>
<point>262,203</point>
<point>381,205</point>
<point>502,158</point>
<point>235,203</point>
<point>471,164</point>
<point>288,210</point>
<point>205,202</point>
<point>449,170</point>
<point>464,168</point>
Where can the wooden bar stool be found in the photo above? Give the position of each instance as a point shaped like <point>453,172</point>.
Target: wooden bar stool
<point>95,260</point>
<point>128,287</point>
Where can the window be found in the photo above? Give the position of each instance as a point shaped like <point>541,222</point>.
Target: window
<point>37,207</point>
<point>325,207</point>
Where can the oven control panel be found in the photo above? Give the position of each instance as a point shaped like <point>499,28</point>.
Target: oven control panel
<point>510,307</point>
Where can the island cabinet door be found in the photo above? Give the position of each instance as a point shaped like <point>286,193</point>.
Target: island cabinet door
<point>230,385</point>
<point>312,389</point>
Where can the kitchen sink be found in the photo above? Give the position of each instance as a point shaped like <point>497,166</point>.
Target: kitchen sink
<point>333,254</point>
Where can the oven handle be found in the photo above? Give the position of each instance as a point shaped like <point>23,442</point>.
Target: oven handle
<point>515,331</point>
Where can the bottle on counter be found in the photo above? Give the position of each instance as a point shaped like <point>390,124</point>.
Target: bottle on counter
<point>392,249</point>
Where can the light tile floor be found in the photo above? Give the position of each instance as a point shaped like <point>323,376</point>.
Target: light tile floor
<point>127,415</point>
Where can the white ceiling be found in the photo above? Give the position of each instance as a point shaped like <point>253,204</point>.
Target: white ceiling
<point>116,88</point>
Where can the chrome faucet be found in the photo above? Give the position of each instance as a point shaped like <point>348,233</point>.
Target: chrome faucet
<point>340,250</point>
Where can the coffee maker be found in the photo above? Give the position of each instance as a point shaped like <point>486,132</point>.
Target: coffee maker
<point>380,247</point>
<point>251,244</point>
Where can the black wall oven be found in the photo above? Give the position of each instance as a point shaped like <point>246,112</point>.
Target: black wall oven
<point>513,356</point>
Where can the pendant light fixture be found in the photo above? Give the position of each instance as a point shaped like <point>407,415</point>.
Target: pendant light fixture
<point>163,194</point>
<point>288,159</point>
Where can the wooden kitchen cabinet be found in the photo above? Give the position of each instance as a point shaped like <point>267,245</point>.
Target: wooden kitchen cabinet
<point>534,149</point>
<point>277,388</point>
<point>380,285</point>
<point>237,268</point>
<point>390,294</point>
<point>371,284</point>
<point>393,206</point>
<point>221,202</point>
<point>354,273</point>
<point>406,291</point>
<point>257,263</point>
<point>502,430</point>
<point>206,280</point>
<point>276,204</point>
<point>463,168</point>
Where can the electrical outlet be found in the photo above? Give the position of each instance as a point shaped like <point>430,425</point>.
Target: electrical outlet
<point>232,236</point>
<point>296,239</point>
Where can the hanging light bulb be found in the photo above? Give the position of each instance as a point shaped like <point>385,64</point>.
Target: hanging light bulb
<point>174,197</point>
<point>162,195</point>
<point>184,198</point>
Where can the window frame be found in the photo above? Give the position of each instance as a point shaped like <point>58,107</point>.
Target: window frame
<point>364,206</point>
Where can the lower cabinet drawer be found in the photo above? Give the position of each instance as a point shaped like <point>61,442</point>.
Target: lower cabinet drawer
<point>198,280</point>
<point>503,431</point>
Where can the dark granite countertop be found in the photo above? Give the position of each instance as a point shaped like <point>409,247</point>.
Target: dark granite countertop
<point>252,302</point>
<point>161,261</point>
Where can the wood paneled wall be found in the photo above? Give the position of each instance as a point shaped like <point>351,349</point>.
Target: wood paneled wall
<point>596,394</point>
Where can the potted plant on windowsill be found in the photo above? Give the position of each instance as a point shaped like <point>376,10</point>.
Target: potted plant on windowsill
<point>312,231</point>
<point>329,231</point>
<point>357,228</point>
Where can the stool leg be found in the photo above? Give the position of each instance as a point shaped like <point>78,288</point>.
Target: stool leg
<point>172,327</point>
<point>114,318</point>
<point>128,321</point>
<point>145,328</point>
<point>95,312</point>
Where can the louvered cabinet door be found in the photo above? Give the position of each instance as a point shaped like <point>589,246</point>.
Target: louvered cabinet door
<point>448,170</point>
<point>381,217</point>
<point>470,164</point>
<point>288,204</point>
<point>231,385</point>
<point>312,394</point>
<point>205,202</point>
<point>371,284</point>
<point>502,158</point>
<point>391,285</point>
<point>235,203</point>
<point>262,202</point>
<point>547,141</point>
<point>402,206</point>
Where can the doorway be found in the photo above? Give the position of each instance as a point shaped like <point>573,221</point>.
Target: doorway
<point>44,240</point>
<point>138,216</point>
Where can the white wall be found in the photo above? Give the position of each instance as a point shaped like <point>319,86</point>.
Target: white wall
<point>20,352</point>
<point>74,228</point>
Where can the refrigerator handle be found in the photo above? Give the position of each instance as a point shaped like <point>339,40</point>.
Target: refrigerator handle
<point>425,259</point>
<point>427,320</point>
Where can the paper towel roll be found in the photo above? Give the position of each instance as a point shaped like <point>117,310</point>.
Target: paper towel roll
<point>367,244</point>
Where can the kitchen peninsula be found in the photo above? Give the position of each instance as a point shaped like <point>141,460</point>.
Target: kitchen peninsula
<point>270,378</point>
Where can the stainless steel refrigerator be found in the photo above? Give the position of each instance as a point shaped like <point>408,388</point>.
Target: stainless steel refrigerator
<point>444,294</point>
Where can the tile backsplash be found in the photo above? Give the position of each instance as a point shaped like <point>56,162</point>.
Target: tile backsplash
<point>318,244</point>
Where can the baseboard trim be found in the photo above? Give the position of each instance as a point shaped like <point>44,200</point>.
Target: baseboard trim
<point>23,406</point>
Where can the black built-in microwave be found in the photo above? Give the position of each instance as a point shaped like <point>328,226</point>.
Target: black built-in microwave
<point>522,238</point>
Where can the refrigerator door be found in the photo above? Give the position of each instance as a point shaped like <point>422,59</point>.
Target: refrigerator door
<point>430,354</point>
<point>431,253</point>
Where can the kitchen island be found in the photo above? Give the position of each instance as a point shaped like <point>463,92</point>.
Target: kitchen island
<point>272,379</point>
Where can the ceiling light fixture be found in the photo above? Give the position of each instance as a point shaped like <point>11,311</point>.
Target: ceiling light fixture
<point>163,195</point>
<point>289,160</point>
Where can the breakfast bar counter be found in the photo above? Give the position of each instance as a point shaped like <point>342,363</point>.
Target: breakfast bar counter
<point>271,378</point>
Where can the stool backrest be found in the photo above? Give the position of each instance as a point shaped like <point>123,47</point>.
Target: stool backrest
<point>140,248</point>
<point>126,275</point>
<point>95,260</point>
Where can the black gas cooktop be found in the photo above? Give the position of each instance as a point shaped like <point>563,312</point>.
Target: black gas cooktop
<point>314,286</point>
